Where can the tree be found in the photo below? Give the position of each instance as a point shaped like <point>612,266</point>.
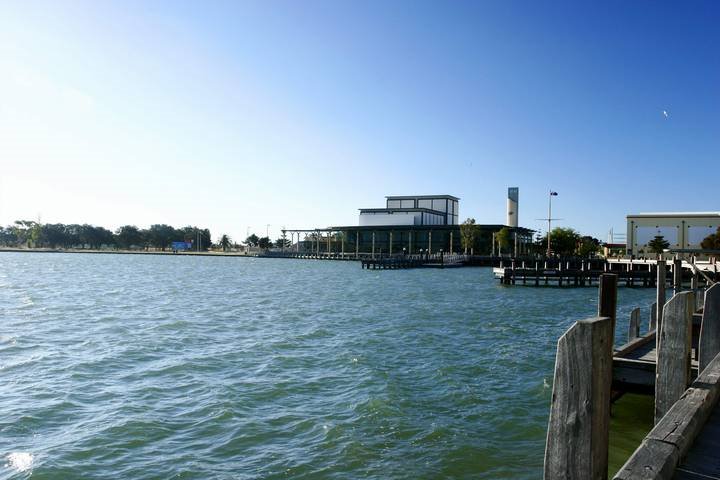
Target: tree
<point>27,232</point>
<point>160,235</point>
<point>282,242</point>
<point>712,241</point>
<point>658,244</point>
<point>8,237</point>
<point>587,246</point>
<point>563,241</point>
<point>127,236</point>
<point>252,240</point>
<point>468,234</point>
<point>264,243</point>
<point>193,234</point>
<point>54,235</point>
<point>225,243</point>
<point>503,238</point>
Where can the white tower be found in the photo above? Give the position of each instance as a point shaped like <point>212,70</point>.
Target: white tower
<point>512,206</point>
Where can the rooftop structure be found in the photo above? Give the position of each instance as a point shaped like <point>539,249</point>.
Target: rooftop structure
<point>413,210</point>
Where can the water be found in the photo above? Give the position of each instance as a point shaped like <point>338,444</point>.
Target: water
<point>150,367</point>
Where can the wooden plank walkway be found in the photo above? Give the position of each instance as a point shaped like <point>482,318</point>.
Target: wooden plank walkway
<point>703,460</point>
<point>634,362</point>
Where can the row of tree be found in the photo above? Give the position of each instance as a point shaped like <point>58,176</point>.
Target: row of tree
<point>265,242</point>
<point>563,241</point>
<point>59,235</point>
<point>566,241</point>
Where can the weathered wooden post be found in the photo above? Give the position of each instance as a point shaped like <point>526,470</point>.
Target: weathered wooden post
<point>660,295</point>
<point>653,317</point>
<point>607,299</point>
<point>677,276</point>
<point>672,373</point>
<point>634,327</point>
<point>577,437</point>
<point>709,343</point>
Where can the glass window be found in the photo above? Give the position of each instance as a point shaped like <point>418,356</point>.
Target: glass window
<point>440,205</point>
<point>407,203</point>
<point>393,204</point>
<point>697,234</point>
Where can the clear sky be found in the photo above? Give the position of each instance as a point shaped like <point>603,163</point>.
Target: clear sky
<point>236,115</point>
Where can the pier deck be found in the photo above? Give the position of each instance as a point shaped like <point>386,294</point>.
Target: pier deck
<point>703,461</point>
<point>677,360</point>
<point>685,441</point>
<point>577,272</point>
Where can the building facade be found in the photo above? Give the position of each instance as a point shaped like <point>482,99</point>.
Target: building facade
<point>413,210</point>
<point>683,230</point>
<point>410,225</point>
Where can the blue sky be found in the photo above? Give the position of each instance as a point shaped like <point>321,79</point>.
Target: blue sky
<point>235,115</point>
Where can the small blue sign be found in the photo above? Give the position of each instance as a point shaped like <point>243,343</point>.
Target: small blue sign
<point>179,246</point>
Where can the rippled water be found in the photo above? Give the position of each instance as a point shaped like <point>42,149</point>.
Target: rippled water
<point>150,367</point>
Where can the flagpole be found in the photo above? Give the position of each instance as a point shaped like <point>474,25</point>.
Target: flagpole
<point>549,220</point>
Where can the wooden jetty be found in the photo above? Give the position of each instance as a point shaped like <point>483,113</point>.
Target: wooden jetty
<point>439,260</point>
<point>388,261</point>
<point>586,273</point>
<point>677,360</point>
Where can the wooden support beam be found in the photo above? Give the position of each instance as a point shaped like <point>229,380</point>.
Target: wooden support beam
<point>577,438</point>
<point>709,343</point>
<point>677,276</point>
<point>660,295</point>
<point>672,374</point>
<point>653,317</point>
<point>634,326</point>
<point>607,299</point>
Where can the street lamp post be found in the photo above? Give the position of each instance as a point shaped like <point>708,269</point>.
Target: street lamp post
<point>552,194</point>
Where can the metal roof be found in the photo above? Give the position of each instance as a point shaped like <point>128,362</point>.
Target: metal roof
<point>391,210</point>
<point>674,214</point>
<point>411,197</point>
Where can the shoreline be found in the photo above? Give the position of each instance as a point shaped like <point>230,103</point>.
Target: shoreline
<point>126,252</point>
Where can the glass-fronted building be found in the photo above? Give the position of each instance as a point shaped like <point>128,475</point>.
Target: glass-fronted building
<point>365,241</point>
<point>408,224</point>
<point>413,210</point>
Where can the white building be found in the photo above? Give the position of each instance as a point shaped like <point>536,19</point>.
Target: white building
<point>413,210</point>
<point>683,230</point>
